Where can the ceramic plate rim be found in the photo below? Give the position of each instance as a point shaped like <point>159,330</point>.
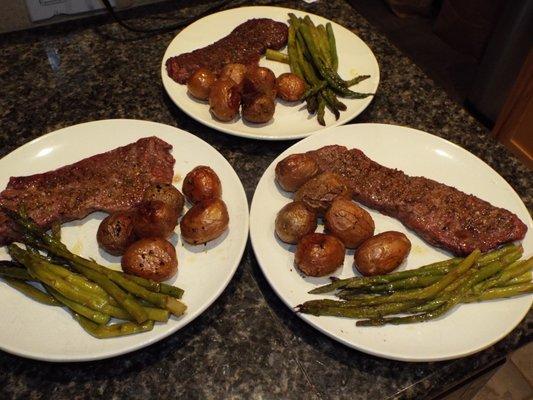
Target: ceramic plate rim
<point>214,296</point>
<point>327,134</point>
<point>167,81</point>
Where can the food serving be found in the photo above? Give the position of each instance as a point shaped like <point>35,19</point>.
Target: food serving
<point>276,111</point>
<point>50,333</point>
<point>442,215</point>
<point>462,329</point>
<point>226,72</point>
<point>145,208</point>
<point>106,302</point>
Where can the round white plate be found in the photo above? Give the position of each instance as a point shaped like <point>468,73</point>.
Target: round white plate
<point>465,330</point>
<point>290,121</point>
<point>33,330</point>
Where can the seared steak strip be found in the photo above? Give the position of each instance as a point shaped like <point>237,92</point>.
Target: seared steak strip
<point>440,214</point>
<point>109,182</point>
<point>244,45</point>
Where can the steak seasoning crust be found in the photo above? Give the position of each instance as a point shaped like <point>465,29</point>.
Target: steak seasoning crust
<point>440,214</point>
<point>244,45</point>
<point>109,182</point>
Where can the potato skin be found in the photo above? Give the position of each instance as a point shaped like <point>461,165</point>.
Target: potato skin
<point>115,233</point>
<point>224,99</point>
<point>259,108</point>
<point>382,253</point>
<point>290,87</point>
<point>199,84</point>
<point>318,254</point>
<point>151,258</point>
<point>294,221</point>
<point>205,221</point>
<point>318,192</point>
<point>259,80</point>
<point>201,183</point>
<point>166,193</point>
<point>155,218</point>
<point>348,222</point>
<point>235,72</point>
<point>294,170</point>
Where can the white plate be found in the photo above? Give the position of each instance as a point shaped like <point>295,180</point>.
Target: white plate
<point>290,121</point>
<point>465,330</point>
<point>33,330</point>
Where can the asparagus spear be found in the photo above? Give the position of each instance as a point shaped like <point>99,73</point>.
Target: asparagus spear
<point>32,292</point>
<point>332,46</point>
<point>115,330</point>
<point>275,55</point>
<point>95,316</point>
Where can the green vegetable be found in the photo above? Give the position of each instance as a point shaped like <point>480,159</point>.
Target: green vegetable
<point>275,55</point>
<point>95,316</point>
<point>32,292</point>
<point>115,330</point>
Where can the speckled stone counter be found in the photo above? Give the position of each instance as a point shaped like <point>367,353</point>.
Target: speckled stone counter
<point>247,345</point>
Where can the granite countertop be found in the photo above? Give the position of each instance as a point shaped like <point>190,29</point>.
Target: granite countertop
<point>247,344</point>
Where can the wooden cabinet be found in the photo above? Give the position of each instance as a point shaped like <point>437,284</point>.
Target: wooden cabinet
<point>514,126</point>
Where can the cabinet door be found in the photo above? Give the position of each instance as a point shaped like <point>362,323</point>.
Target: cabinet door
<point>514,127</point>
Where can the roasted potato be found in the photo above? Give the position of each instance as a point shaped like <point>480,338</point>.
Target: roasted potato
<point>348,222</point>
<point>294,221</point>
<point>318,254</point>
<point>201,183</point>
<point>199,84</point>
<point>205,221</point>
<point>116,233</point>
<point>318,192</point>
<point>234,72</point>
<point>155,218</point>
<point>151,258</point>
<point>294,170</point>
<point>258,109</point>
<point>382,253</point>
<point>290,87</point>
<point>224,99</point>
<point>166,193</point>
<point>259,80</point>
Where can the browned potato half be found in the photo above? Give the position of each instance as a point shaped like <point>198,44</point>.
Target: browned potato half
<point>318,254</point>
<point>201,183</point>
<point>318,192</point>
<point>294,170</point>
<point>382,253</point>
<point>234,72</point>
<point>151,258</point>
<point>290,87</point>
<point>155,218</point>
<point>166,193</point>
<point>259,80</point>
<point>294,221</point>
<point>259,109</point>
<point>205,221</point>
<point>199,84</point>
<point>224,99</point>
<point>349,222</point>
<point>116,233</point>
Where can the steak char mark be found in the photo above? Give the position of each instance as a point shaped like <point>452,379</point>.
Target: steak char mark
<point>440,214</point>
<point>244,45</point>
<point>109,182</point>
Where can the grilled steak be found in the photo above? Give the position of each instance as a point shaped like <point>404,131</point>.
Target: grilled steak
<point>109,182</point>
<point>244,45</point>
<point>440,214</point>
